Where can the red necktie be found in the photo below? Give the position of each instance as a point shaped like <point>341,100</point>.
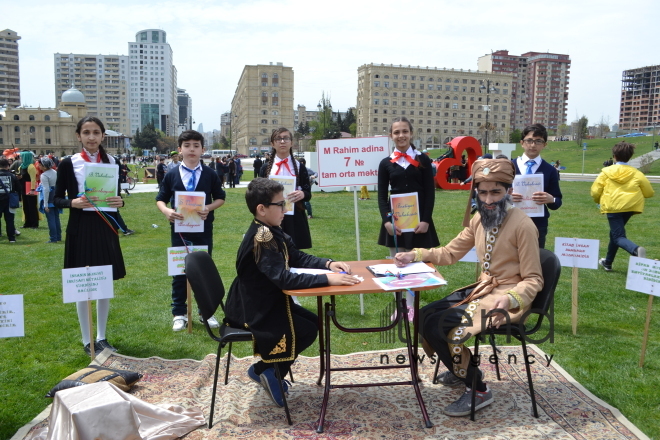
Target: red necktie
<point>284,162</point>
<point>398,155</point>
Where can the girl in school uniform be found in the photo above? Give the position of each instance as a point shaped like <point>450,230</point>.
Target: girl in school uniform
<point>91,239</point>
<point>282,163</point>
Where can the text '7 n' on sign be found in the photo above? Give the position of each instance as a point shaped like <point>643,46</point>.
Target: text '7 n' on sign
<point>350,162</point>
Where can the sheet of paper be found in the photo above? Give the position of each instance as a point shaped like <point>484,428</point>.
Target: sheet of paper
<point>417,267</point>
<point>87,283</point>
<point>310,271</point>
<point>101,181</point>
<point>12,317</point>
<point>643,276</point>
<point>289,184</point>
<point>409,281</point>
<point>188,203</point>
<point>176,258</point>
<point>405,210</point>
<point>527,185</point>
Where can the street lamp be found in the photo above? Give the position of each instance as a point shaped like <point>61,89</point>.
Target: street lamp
<point>488,89</point>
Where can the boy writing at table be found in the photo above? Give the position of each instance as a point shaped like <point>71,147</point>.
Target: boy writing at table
<point>256,301</point>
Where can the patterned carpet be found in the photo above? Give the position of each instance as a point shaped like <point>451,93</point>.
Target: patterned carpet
<point>244,411</point>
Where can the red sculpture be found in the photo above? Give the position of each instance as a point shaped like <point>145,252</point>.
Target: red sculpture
<point>459,145</point>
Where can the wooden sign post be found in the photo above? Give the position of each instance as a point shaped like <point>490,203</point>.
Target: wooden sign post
<point>644,276</point>
<point>576,253</point>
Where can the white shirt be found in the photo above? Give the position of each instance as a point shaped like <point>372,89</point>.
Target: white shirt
<point>402,160</point>
<point>79,168</point>
<point>186,175</point>
<point>522,166</point>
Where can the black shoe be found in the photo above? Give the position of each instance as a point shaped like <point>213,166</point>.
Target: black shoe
<point>96,350</point>
<point>101,345</point>
<point>129,232</point>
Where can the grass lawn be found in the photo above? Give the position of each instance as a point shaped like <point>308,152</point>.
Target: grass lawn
<point>598,151</point>
<point>603,356</point>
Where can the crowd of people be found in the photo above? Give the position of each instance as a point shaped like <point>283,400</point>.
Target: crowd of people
<point>507,241</point>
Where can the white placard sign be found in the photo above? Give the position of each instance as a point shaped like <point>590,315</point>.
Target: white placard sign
<point>526,185</point>
<point>577,252</point>
<point>350,162</point>
<point>12,318</point>
<point>643,276</point>
<point>470,257</point>
<point>176,258</point>
<point>87,283</point>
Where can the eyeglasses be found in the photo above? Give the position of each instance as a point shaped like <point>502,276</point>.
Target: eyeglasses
<point>280,204</point>
<point>283,139</point>
<point>534,141</point>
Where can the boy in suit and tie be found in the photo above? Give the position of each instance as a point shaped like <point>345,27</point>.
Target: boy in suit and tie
<point>190,175</point>
<point>535,138</point>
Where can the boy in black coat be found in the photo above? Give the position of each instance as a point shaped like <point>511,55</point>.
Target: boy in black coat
<point>281,329</point>
<point>190,175</point>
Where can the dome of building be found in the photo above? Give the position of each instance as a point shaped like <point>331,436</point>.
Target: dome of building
<point>73,95</point>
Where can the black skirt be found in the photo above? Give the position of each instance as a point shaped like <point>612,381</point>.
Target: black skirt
<point>94,243</point>
<point>410,240</point>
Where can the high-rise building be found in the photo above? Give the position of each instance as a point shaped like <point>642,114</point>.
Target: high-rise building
<point>640,99</point>
<point>102,79</point>
<point>10,83</point>
<point>440,103</point>
<point>184,101</point>
<point>540,86</point>
<point>263,101</point>
<point>152,82</point>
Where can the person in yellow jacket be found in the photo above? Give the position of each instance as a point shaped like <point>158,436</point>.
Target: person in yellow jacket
<point>621,189</point>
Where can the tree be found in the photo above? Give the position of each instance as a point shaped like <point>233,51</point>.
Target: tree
<point>225,143</point>
<point>515,136</point>
<point>348,121</point>
<point>324,127</point>
<point>353,129</point>
<point>581,130</point>
<point>167,144</point>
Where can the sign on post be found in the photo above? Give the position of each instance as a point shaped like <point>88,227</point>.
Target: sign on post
<point>87,283</point>
<point>576,253</point>
<point>350,162</point>
<point>644,276</point>
<point>176,258</point>
<point>12,318</point>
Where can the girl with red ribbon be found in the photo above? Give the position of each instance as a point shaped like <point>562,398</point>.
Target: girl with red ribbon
<point>406,170</point>
<point>282,163</point>
<point>91,236</point>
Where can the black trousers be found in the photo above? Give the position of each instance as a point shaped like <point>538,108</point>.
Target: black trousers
<point>305,324</point>
<point>437,320</point>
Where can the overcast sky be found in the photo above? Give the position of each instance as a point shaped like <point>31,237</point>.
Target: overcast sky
<point>326,41</point>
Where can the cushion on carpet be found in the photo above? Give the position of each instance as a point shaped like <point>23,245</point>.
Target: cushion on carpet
<point>123,379</point>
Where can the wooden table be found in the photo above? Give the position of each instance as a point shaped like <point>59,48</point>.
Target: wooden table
<point>367,286</point>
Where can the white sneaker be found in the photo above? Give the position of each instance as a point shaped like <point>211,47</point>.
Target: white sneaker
<point>179,323</point>
<point>213,323</point>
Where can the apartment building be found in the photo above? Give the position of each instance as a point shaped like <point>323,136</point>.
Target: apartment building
<point>440,103</point>
<point>10,81</point>
<point>152,80</point>
<point>263,101</point>
<point>102,79</point>
<point>540,86</point>
<point>640,99</point>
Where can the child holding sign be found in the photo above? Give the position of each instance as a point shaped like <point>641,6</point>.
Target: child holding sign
<point>91,238</point>
<point>282,163</point>
<point>406,171</point>
<point>190,175</point>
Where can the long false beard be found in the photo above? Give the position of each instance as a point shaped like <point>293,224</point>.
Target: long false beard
<point>493,217</point>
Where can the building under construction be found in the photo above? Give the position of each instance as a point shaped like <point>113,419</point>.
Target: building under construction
<point>640,99</point>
